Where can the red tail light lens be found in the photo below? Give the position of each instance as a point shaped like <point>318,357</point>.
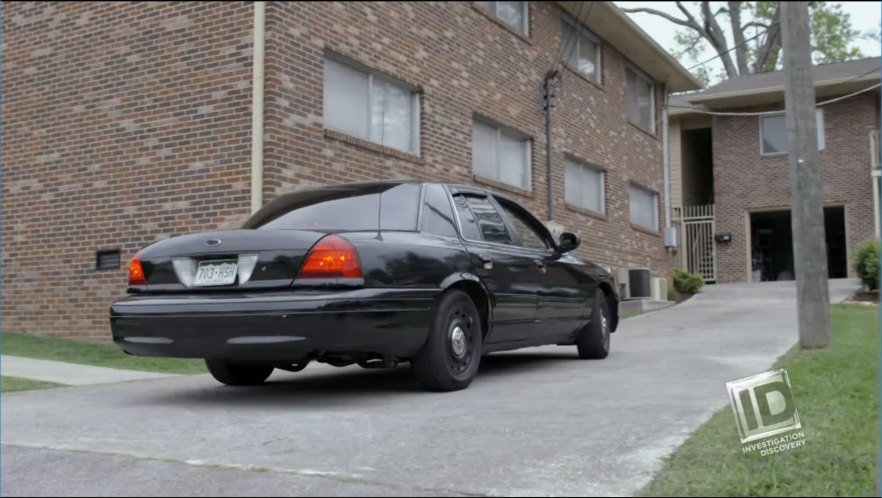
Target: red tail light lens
<point>136,273</point>
<point>332,257</point>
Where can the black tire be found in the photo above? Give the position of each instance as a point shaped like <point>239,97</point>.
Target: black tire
<point>450,358</point>
<point>238,374</point>
<point>593,341</point>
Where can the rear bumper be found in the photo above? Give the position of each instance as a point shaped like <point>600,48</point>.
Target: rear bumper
<point>279,326</point>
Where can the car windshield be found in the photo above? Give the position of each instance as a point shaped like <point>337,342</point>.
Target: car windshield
<point>348,208</point>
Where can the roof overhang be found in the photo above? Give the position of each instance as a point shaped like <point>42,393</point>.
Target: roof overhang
<point>774,94</point>
<point>613,25</point>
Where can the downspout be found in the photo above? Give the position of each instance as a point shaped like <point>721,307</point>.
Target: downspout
<point>670,234</point>
<point>257,107</point>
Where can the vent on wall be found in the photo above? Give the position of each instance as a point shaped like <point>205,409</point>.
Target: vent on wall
<point>107,260</point>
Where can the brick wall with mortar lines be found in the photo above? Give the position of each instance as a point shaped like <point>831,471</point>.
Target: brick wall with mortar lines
<point>744,180</point>
<point>122,123</point>
<point>465,64</point>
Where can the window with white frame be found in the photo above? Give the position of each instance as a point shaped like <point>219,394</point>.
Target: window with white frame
<point>583,186</point>
<point>372,107</point>
<point>514,14</point>
<point>581,50</point>
<point>501,154</point>
<point>641,100</point>
<point>773,133</point>
<point>644,207</point>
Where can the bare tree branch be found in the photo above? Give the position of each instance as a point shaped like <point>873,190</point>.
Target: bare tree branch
<point>717,39</point>
<point>693,23</point>
<point>738,37</point>
<point>769,44</point>
<point>755,24</point>
<point>660,14</point>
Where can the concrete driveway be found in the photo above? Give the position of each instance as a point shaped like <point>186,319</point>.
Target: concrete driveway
<point>536,422</point>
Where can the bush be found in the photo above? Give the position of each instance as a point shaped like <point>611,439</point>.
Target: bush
<point>687,283</point>
<point>867,265</point>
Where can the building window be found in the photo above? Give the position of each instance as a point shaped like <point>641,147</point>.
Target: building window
<point>372,107</point>
<point>641,100</point>
<point>773,133</point>
<point>514,14</point>
<point>584,186</point>
<point>581,51</point>
<point>501,154</point>
<point>644,208</point>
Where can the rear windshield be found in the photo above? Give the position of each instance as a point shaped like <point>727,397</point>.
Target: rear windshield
<point>343,209</point>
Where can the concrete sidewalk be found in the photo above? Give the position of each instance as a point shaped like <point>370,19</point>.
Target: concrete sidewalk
<point>70,374</point>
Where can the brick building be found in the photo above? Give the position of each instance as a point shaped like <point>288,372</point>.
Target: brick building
<point>124,123</point>
<point>733,171</point>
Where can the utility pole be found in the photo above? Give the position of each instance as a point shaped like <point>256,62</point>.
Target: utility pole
<point>807,220</point>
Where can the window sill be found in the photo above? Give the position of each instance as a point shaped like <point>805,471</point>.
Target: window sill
<point>372,146</point>
<point>502,186</point>
<point>642,129</point>
<point>587,212</point>
<point>506,27</point>
<point>645,230</point>
<point>584,77</point>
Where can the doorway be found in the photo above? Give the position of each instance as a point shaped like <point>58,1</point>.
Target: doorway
<point>772,245</point>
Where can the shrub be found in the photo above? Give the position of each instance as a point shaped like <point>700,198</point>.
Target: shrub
<point>867,264</point>
<point>687,283</point>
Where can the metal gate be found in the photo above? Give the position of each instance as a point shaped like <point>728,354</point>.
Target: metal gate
<point>698,252</point>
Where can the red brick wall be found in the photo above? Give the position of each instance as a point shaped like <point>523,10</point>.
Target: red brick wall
<point>744,180</point>
<point>465,64</point>
<point>122,123</point>
<point>128,122</point>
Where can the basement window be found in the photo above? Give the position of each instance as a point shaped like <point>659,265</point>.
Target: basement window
<point>107,260</point>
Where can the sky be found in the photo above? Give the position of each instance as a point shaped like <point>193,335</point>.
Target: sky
<point>865,16</point>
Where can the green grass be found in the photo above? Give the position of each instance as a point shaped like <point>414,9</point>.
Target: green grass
<point>837,396</point>
<point>13,384</point>
<point>91,353</point>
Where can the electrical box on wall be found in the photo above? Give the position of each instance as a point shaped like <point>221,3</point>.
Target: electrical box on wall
<point>723,237</point>
<point>670,237</point>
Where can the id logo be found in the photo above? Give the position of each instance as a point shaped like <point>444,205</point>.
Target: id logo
<point>763,406</point>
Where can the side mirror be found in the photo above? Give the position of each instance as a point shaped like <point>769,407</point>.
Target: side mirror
<point>568,242</point>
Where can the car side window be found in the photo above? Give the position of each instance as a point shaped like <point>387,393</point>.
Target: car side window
<point>437,215</point>
<point>467,221</point>
<point>490,222</point>
<point>530,237</point>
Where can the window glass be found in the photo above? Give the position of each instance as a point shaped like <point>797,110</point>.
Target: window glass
<point>773,131</point>
<point>584,186</point>
<point>437,215</point>
<point>641,102</point>
<point>501,155</point>
<point>490,222</point>
<point>582,53</point>
<point>644,208</point>
<point>529,236</point>
<point>467,222</point>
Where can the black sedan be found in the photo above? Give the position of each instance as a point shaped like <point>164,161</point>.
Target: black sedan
<point>371,274</point>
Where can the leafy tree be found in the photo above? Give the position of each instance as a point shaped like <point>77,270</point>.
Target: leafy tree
<point>746,36</point>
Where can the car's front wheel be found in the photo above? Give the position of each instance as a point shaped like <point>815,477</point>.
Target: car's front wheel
<point>450,357</point>
<point>238,374</point>
<point>593,340</point>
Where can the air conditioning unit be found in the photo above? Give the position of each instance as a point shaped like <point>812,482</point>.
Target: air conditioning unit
<point>659,289</point>
<point>635,283</point>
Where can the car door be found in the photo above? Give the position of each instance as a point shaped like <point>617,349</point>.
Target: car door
<point>509,273</point>
<point>564,290</point>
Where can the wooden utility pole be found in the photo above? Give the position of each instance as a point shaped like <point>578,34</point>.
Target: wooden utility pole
<point>807,220</point>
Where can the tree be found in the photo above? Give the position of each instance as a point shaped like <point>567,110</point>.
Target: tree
<point>746,36</point>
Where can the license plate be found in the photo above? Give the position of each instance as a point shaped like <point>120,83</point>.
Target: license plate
<point>216,273</point>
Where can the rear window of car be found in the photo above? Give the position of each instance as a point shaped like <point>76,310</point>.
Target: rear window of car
<point>391,207</point>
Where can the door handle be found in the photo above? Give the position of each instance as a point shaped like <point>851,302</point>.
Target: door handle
<point>486,262</point>
<point>539,264</point>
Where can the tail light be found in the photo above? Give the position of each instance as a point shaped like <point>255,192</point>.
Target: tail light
<point>332,257</point>
<point>136,273</point>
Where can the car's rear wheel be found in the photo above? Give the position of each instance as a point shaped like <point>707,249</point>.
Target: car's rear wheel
<point>238,374</point>
<point>450,357</point>
<point>593,341</point>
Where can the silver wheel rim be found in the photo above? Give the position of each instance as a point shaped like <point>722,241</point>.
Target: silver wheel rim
<point>604,329</point>
<point>458,341</point>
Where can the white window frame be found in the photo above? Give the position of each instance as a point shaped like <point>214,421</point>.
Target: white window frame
<point>583,166</point>
<point>511,133</point>
<point>525,28</point>
<point>371,74</point>
<point>822,134</point>
<point>655,224</point>
<point>582,32</point>
<point>642,76</point>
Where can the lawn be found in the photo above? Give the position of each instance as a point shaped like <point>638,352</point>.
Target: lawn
<point>13,384</point>
<point>837,396</point>
<point>91,353</point>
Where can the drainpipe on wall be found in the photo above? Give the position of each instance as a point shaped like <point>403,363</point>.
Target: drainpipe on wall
<point>670,232</point>
<point>257,107</point>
